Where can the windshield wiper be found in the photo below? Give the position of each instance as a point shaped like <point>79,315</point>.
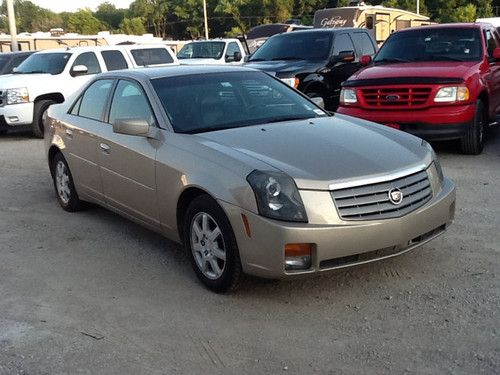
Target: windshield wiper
<point>444,58</point>
<point>391,60</point>
<point>250,60</point>
<point>286,118</point>
<point>288,58</point>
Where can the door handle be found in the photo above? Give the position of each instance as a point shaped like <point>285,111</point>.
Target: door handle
<point>105,148</point>
<point>69,133</point>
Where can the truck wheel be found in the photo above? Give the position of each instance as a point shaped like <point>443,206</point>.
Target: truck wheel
<point>211,245</point>
<point>40,107</point>
<point>473,141</point>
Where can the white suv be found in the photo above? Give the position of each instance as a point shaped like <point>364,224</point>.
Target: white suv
<point>212,52</point>
<point>50,76</point>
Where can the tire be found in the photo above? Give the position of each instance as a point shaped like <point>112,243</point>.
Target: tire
<point>63,184</point>
<point>40,107</point>
<point>473,141</point>
<point>215,260</point>
<point>2,132</point>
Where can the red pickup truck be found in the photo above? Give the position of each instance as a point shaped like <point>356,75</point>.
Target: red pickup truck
<point>438,82</point>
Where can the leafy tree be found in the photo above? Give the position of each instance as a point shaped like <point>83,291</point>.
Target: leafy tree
<point>154,12</point>
<point>132,26</point>
<point>109,15</point>
<point>83,22</point>
<point>31,17</point>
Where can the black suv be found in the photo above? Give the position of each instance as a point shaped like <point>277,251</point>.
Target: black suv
<point>315,61</point>
<point>11,60</point>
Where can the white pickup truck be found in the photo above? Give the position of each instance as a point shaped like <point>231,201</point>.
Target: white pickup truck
<point>50,76</point>
<point>212,52</point>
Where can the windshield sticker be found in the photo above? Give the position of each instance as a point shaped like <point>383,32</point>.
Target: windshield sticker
<point>319,112</point>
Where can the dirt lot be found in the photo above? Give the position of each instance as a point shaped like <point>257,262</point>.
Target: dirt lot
<point>93,293</point>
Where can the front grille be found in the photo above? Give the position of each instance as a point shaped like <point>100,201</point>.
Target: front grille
<point>2,98</point>
<point>395,97</point>
<point>371,202</point>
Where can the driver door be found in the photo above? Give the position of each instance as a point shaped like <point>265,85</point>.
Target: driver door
<point>90,61</point>
<point>127,162</point>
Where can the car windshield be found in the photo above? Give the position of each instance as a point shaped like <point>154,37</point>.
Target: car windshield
<point>295,45</point>
<point>51,63</point>
<point>4,60</point>
<point>202,50</point>
<point>445,44</point>
<point>206,102</point>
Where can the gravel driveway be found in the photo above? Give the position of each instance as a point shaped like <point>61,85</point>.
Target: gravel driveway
<point>94,293</point>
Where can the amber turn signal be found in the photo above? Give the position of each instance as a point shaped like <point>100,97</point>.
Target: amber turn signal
<point>298,249</point>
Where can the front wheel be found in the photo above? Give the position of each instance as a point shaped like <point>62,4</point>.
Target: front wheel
<point>40,108</point>
<point>473,141</point>
<point>211,244</point>
<point>63,184</point>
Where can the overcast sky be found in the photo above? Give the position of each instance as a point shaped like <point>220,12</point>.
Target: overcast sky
<point>72,5</point>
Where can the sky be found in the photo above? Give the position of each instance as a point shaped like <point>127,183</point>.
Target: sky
<point>72,5</point>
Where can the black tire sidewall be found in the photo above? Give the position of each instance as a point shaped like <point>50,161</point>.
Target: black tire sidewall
<point>232,271</point>
<point>472,142</point>
<point>74,203</point>
<point>40,107</point>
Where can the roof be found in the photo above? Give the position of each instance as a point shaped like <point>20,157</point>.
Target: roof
<point>102,48</point>
<point>323,30</point>
<point>226,40</point>
<point>175,71</point>
<point>446,26</point>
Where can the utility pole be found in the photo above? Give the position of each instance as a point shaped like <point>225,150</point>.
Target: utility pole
<point>206,19</point>
<point>418,6</point>
<point>12,25</point>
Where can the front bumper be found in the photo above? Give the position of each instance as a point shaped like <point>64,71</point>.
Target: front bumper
<point>435,123</point>
<point>16,114</point>
<point>339,245</point>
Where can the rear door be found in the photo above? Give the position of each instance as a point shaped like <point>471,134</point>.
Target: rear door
<point>80,134</point>
<point>127,163</point>
<point>114,60</point>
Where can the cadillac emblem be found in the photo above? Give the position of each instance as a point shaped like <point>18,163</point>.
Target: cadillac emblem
<point>395,196</point>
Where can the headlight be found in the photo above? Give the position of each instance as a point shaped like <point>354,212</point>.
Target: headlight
<point>293,82</point>
<point>348,96</point>
<point>17,96</point>
<point>452,94</point>
<point>434,171</point>
<point>277,196</point>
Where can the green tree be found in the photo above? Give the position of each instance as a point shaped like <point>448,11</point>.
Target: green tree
<point>132,26</point>
<point>83,22</point>
<point>155,13</point>
<point>31,17</point>
<point>109,15</point>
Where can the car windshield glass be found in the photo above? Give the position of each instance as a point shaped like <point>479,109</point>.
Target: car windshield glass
<point>4,60</point>
<point>51,63</point>
<point>296,45</point>
<point>214,101</point>
<point>445,44</point>
<point>202,50</point>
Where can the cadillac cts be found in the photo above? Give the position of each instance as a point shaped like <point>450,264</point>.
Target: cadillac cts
<point>250,175</point>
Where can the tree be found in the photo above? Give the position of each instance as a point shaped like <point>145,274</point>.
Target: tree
<point>155,13</point>
<point>83,22</point>
<point>109,15</point>
<point>31,17</point>
<point>132,26</point>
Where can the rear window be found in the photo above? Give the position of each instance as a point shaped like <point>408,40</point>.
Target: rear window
<point>151,56</point>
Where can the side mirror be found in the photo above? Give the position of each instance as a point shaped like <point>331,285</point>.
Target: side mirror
<point>365,60</point>
<point>318,101</point>
<point>79,70</point>
<point>342,57</point>
<point>131,126</point>
<point>237,56</point>
<point>496,54</point>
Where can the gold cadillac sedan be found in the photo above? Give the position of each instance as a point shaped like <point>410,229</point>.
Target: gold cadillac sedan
<point>249,174</point>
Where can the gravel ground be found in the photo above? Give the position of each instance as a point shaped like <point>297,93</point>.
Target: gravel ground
<point>94,293</point>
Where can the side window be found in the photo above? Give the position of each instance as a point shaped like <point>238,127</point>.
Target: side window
<point>490,42</point>
<point>342,43</point>
<point>114,60</point>
<point>231,49</point>
<point>94,99</point>
<point>76,107</point>
<point>129,101</point>
<point>363,43</point>
<point>89,59</point>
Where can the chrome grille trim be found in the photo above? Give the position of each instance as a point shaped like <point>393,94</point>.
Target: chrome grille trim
<point>371,201</point>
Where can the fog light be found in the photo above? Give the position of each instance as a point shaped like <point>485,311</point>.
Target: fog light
<point>298,256</point>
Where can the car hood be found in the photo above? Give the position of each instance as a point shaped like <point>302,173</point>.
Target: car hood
<point>10,81</point>
<point>417,69</point>
<point>283,67</point>
<point>323,151</point>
